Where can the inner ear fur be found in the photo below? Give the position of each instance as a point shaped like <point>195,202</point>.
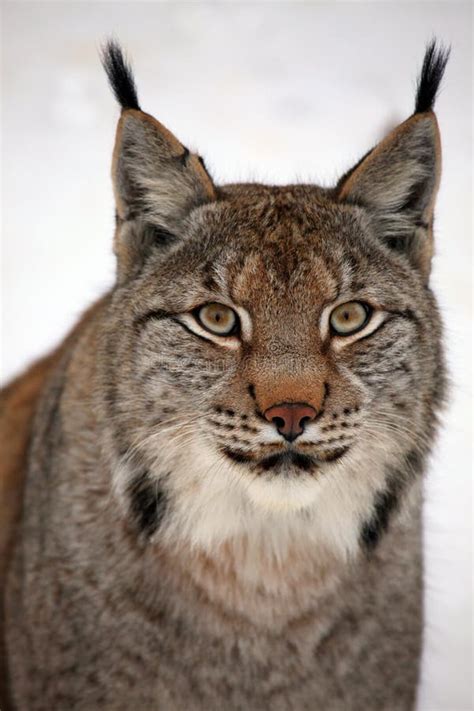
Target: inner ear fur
<point>157,181</point>
<point>397,182</point>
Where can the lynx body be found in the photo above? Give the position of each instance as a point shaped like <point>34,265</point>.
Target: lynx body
<point>211,492</point>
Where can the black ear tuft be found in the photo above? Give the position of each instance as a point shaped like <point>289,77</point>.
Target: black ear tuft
<point>434,64</point>
<point>120,75</point>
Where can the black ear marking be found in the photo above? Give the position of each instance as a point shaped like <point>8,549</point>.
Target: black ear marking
<point>434,63</point>
<point>120,75</point>
<point>183,158</point>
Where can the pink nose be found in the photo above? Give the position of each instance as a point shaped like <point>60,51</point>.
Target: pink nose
<point>290,417</point>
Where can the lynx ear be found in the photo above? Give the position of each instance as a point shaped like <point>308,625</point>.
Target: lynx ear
<point>398,180</point>
<point>157,181</point>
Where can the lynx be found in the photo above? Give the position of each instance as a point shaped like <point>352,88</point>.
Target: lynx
<point>211,491</point>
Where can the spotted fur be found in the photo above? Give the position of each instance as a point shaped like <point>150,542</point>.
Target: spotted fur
<point>174,551</point>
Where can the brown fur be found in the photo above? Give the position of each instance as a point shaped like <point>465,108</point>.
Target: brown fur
<point>19,401</point>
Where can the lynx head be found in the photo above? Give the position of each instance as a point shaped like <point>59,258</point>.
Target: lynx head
<point>272,359</point>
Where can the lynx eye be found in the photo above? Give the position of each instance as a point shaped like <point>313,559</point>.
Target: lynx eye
<point>349,318</point>
<point>218,319</point>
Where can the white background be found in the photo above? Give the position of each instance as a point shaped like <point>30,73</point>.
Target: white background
<point>271,91</point>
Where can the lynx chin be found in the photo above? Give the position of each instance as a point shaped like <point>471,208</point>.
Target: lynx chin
<point>211,490</point>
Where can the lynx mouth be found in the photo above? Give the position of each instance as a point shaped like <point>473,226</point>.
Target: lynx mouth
<point>289,459</point>
<point>286,460</point>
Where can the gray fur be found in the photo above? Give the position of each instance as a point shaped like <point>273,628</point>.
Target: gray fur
<point>152,570</point>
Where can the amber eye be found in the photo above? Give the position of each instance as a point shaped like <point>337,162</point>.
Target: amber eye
<point>218,319</point>
<point>349,318</point>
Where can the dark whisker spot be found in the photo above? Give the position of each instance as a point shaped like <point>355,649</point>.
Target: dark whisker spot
<point>236,455</point>
<point>335,454</point>
<point>239,440</point>
<point>222,425</point>
<point>328,427</point>
<point>248,428</point>
<point>334,439</point>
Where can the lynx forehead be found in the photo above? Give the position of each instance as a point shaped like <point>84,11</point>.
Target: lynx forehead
<point>223,460</point>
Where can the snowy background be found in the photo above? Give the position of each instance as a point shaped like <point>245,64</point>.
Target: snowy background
<point>272,91</point>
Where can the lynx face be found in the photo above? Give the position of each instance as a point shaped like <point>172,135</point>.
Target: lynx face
<point>273,358</point>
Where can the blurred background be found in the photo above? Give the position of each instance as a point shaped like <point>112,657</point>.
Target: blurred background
<point>272,91</point>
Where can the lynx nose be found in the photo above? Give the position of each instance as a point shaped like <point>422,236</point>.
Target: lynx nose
<point>290,417</point>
